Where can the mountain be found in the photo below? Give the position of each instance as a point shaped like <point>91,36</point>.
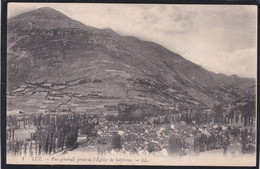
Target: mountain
<point>46,45</point>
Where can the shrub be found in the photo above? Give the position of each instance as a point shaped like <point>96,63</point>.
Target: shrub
<point>83,81</point>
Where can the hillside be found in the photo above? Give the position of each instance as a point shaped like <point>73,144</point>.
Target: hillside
<point>45,45</point>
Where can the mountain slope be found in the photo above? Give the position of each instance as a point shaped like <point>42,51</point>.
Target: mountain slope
<point>45,44</point>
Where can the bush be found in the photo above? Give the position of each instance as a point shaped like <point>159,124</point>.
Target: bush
<point>83,81</point>
<point>250,149</point>
<point>150,148</point>
<point>97,81</point>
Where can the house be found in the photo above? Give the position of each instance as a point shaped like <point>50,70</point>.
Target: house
<point>47,85</point>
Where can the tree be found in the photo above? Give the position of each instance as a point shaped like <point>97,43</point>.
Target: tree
<point>175,145</point>
<point>218,114</point>
<point>72,130</point>
<point>248,113</point>
<point>244,140</point>
<point>137,115</point>
<point>110,117</point>
<point>116,141</point>
<point>247,142</point>
<point>72,137</point>
<point>151,147</point>
<point>235,132</point>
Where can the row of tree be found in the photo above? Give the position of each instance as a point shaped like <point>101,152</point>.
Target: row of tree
<point>246,113</point>
<point>137,112</point>
<point>55,132</point>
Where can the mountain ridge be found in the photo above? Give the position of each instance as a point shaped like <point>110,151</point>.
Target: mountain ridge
<point>48,9</point>
<point>56,47</point>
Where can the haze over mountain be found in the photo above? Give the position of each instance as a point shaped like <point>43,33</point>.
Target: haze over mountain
<point>46,45</point>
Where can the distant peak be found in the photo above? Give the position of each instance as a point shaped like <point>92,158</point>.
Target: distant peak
<point>109,30</point>
<point>234,76</point>
<point>46,9</point>
<point>43,13</point>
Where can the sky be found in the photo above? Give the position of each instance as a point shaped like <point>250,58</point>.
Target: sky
<point>220,38</point>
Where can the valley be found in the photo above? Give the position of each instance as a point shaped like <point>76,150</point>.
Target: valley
<point>73,87</point>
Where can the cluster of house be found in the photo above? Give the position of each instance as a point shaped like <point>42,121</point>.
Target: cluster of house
<point>145,136</point>
<point>142,137</point>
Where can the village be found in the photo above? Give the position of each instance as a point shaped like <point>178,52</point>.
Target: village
<point>151,135</point>
<point>141,125</point>
<point>143,137</point>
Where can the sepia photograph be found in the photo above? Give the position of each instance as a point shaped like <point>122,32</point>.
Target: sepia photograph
<point>131,84</point>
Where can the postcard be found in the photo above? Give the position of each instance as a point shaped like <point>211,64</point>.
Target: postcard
<point>131,84</point>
